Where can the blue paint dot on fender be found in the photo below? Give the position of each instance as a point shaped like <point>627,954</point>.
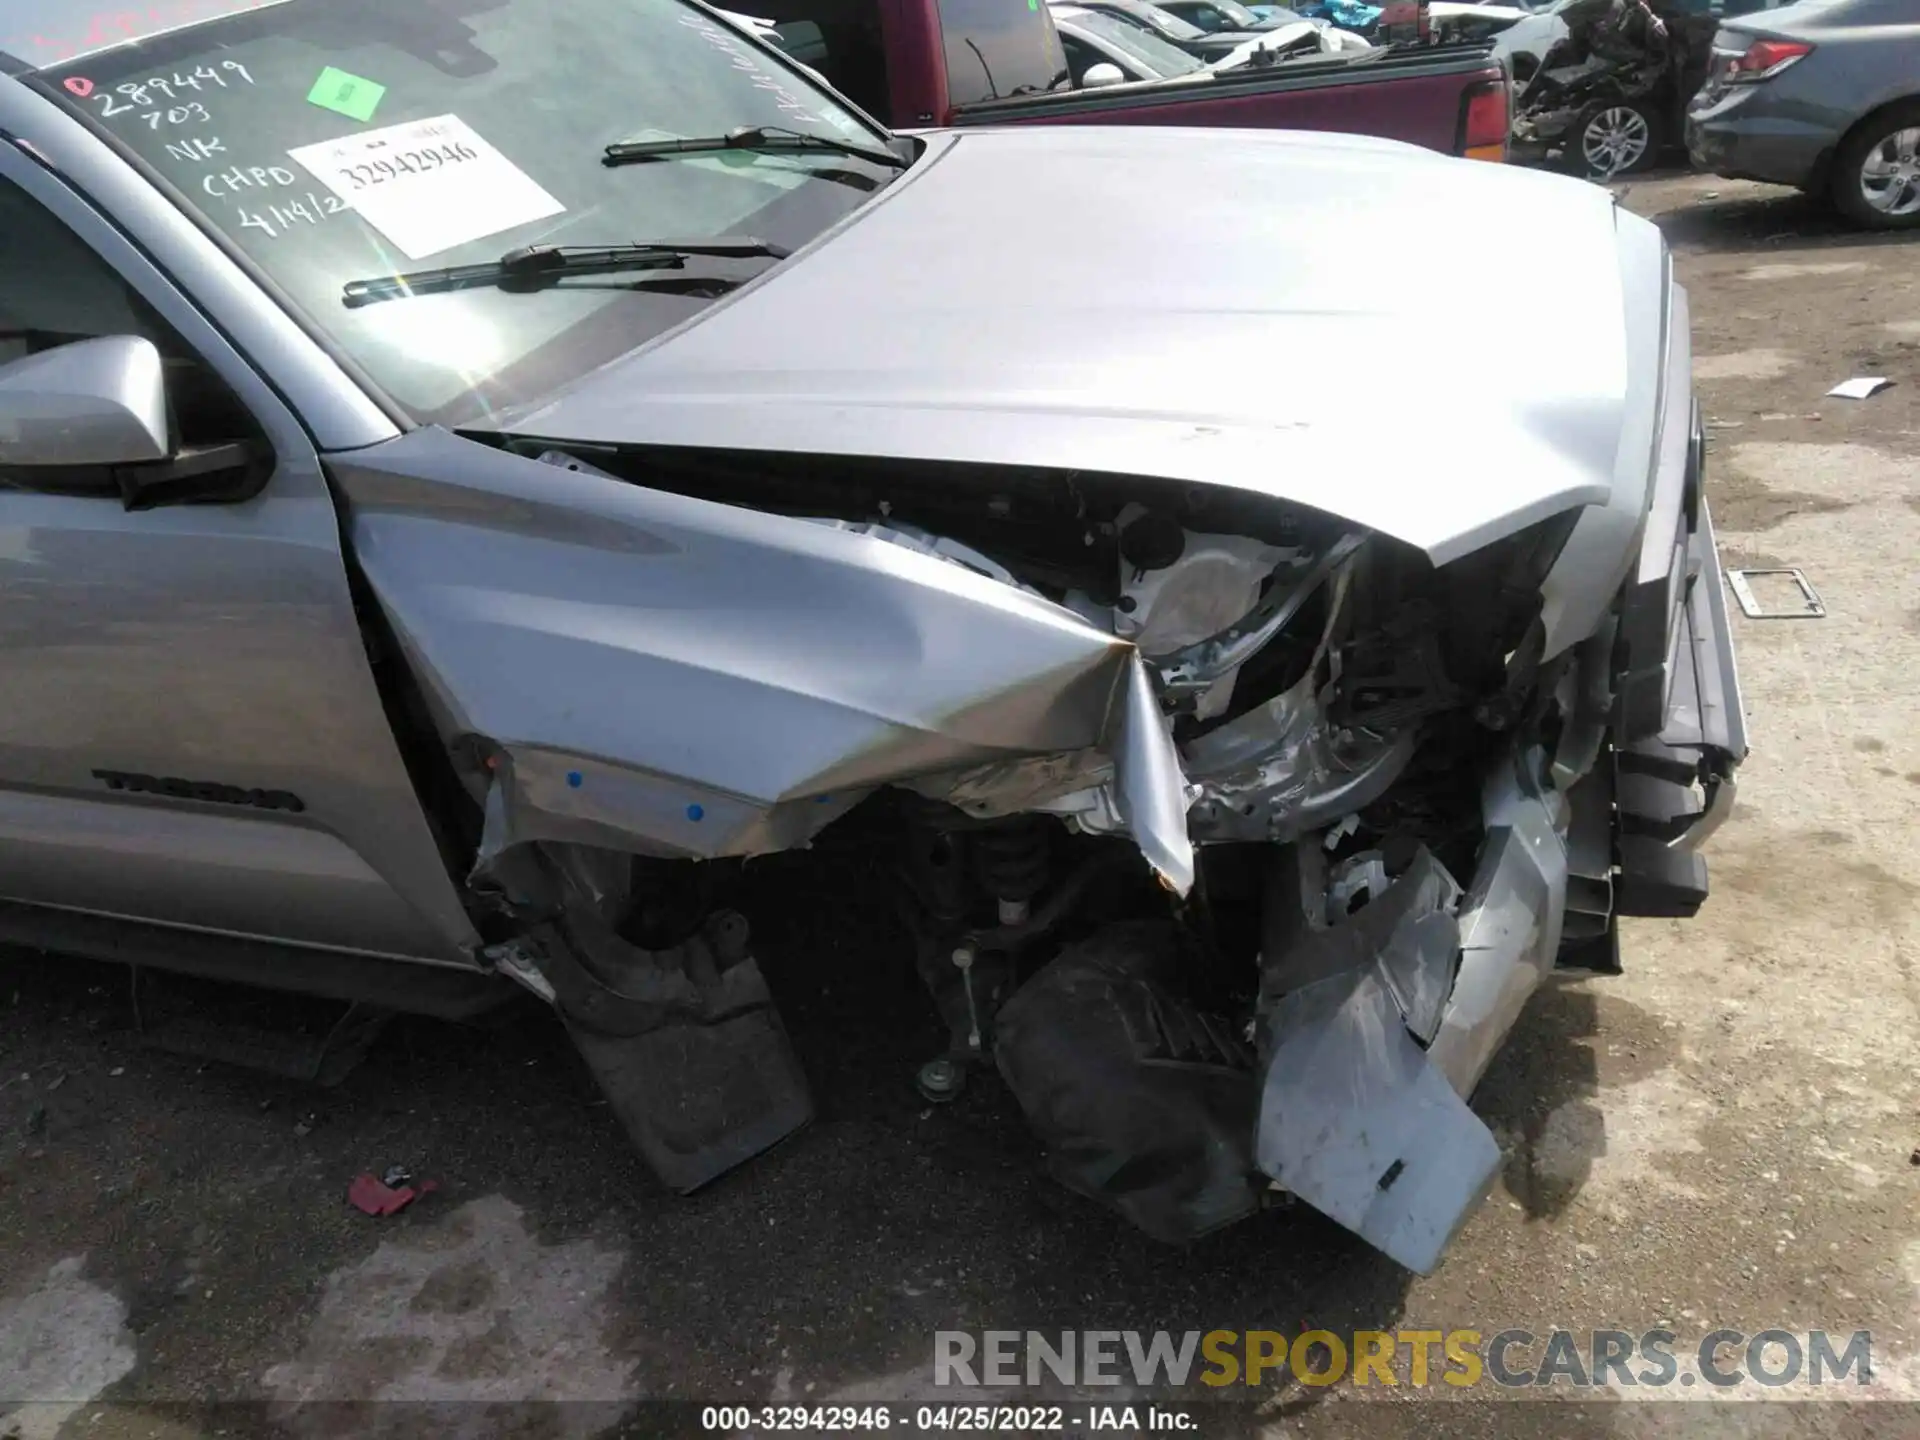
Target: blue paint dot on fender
<point>573,779</point>
<point>696,812</point>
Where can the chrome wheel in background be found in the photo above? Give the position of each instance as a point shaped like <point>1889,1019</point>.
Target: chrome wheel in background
<point>1890,174</point>
<point>1615,140</point>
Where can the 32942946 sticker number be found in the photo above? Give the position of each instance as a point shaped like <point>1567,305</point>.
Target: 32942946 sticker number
<point>407,162</point>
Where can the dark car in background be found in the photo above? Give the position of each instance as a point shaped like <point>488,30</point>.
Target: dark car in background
<point>1823,95</point>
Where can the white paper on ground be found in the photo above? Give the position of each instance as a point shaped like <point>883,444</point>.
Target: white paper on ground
<point>1860,387</point>
<point>428,185</point>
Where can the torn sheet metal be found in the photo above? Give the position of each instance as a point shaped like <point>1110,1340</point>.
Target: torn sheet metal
<point>1358,1122</point>
<point>1148,789</point>
<point>670,676</point>
<point>1138,789</point>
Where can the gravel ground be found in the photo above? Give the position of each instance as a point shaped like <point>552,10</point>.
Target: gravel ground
<point>1723,1136</point>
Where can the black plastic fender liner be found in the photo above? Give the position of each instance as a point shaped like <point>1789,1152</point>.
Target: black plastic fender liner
<point>687,1045</point>
<point>701,1099</point>
<point>608,984</point>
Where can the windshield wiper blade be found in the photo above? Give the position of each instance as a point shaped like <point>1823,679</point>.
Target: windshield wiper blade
<point>533,266</point>
<point>762,139</point>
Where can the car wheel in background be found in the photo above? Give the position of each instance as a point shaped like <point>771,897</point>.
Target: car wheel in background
<point>1613,138</point>
<point>1876,174</point>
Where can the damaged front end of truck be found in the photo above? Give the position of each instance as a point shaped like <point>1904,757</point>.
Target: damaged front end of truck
<point>1232,832</point>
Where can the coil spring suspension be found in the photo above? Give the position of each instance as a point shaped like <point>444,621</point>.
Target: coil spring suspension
<point>1013,859</point>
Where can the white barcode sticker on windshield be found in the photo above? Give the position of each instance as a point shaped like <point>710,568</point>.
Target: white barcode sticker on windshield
<point>428,185</point>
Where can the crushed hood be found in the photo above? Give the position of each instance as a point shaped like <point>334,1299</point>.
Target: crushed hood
<point>1255,309</point>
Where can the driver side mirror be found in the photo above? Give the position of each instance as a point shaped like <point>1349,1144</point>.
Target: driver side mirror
<point>94,402</point>
<point>1098,77</point>
<point>91,417</point>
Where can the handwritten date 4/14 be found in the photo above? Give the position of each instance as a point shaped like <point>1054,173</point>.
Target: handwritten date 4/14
<point>407,162</point>
<point>281,217</point>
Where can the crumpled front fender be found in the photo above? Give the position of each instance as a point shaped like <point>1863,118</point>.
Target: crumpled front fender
<point>655,673</point>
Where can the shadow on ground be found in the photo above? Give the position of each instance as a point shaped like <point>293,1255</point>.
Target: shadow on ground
<point>1776,217</point>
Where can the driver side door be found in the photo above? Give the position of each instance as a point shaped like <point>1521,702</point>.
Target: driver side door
<point>190,732</point>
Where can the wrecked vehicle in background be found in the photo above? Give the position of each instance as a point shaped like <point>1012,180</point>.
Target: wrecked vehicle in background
<point>1238,765</point>
<point>1610,96</point>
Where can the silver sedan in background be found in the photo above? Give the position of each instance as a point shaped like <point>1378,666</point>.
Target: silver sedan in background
<point>1823,95</point>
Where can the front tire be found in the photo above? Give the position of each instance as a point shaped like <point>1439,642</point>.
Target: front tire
<point>1876,173</point>
<point>1613,138</point>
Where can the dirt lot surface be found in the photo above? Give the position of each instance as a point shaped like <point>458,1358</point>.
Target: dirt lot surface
<point>1725,1136</point>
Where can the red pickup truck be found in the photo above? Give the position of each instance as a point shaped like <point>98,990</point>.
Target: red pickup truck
<point>919,63</point>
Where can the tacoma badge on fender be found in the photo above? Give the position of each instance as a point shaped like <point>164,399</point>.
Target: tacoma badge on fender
<point>209,790</point>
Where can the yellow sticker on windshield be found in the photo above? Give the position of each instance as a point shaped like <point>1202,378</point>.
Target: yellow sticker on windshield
<point>345,94</point>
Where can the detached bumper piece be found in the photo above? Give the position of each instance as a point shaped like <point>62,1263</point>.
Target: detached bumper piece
<point>1372,1026</point>
<point>1355,1117</point>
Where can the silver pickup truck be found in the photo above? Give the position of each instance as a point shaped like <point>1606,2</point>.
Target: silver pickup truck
<point>460,501</point>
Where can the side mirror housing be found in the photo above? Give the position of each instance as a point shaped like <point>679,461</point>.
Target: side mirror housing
<point>91,418</point>
<point>94,402</point>
<point>1098,77</point>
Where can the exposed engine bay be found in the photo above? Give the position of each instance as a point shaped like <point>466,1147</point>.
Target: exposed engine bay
<point>1294,658</point>
<point>1233,836</point>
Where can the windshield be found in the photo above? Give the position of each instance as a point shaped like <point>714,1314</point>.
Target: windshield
<point>1146,50</point>
<point>1163,21</point>
<point>1230,15</point>
<point>334,140</point>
